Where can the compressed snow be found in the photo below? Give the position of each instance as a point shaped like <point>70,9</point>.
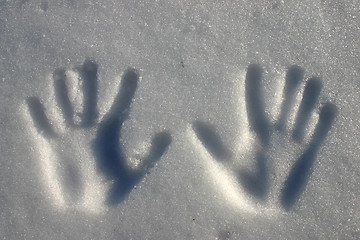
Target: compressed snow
<point>190,61</point>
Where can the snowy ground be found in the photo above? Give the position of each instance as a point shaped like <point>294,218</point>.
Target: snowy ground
<point>179,120</point>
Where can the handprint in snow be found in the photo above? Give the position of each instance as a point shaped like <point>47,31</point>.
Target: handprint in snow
<point>257,183</point>
<point>72,178</point>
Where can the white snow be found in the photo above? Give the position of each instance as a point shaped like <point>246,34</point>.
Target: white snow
<point>192,58</point>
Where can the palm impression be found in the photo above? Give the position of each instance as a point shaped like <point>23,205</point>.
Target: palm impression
<point>72,159</point>
<point>263,179</point>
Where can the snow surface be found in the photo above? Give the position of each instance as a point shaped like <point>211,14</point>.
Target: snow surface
<point>189,115</point>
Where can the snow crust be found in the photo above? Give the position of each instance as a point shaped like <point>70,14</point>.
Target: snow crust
<point>192,59</point>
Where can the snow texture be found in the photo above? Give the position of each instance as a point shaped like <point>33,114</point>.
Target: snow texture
<point>179,119</point>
